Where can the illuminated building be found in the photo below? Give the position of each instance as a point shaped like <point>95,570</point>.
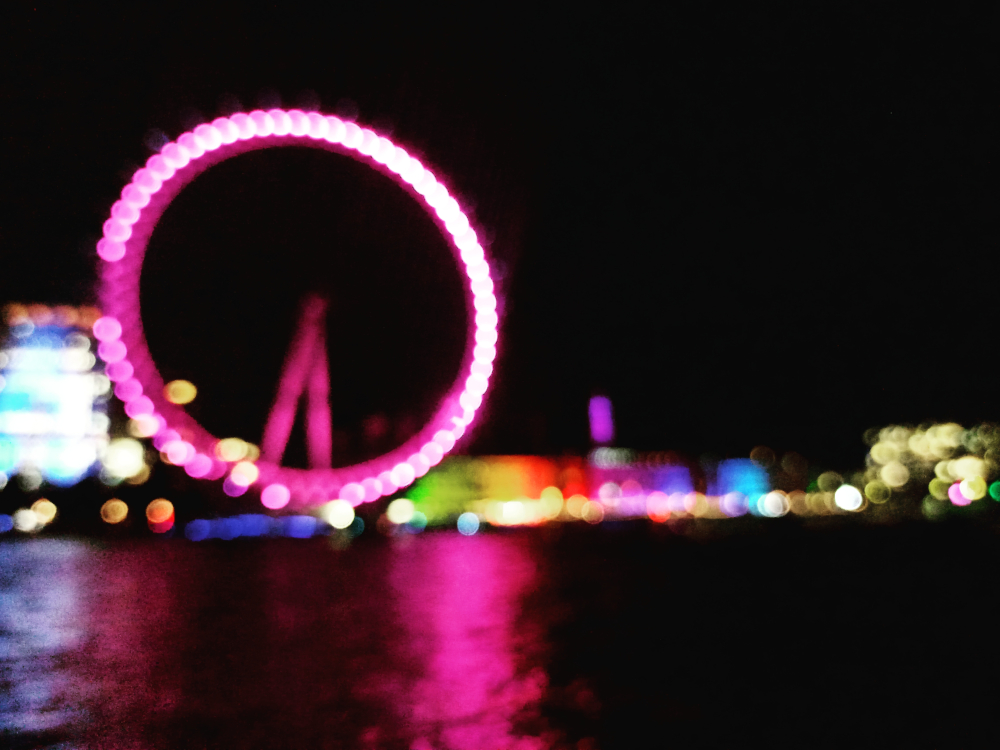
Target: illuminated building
<point>53,421</point>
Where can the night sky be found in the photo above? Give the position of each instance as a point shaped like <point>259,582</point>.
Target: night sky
<point>750,227</point>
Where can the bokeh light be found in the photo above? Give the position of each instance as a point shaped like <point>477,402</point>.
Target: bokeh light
<point>574,506</point>
<point>244,473</point>
<point>877,491</point>
<point>275,496</point>
<point>45,511</point>
<point>180,392</point>
<point>829,481</point>
<point>774,504</point>
<point>338,513</point>
<point>973,488</point>
<point>114,511</point>
<point>938,488</point>
<point>658,506</point>
<point>551,502</point>
<point>25,520</point>
<point>143,426</point>
<point>513,513</point>
<point>468,523</point>
<point>592,512</point>
<point>956,496</point>
<point>894,474</point>
<point>848,497</point>
<point>123,458</point>
<point>231,449</point>
<point>400,511</point>
<point>159,511</point>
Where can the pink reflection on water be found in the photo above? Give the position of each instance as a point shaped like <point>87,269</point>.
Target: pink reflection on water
<point>459,599</point>
<point>145,645</point>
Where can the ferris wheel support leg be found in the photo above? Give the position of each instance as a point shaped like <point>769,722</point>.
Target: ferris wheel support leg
<point>298,367</point>
<point>318,422</point>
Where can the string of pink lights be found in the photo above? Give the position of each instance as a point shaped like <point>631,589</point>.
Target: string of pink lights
<point>132,369</point>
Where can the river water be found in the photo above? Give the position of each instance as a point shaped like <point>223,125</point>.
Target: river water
<point>631,636</point>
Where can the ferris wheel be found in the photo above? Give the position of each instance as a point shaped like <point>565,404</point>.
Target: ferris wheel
<point>139,384</point>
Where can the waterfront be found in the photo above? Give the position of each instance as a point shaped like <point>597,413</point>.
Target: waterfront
<point>623,636</point>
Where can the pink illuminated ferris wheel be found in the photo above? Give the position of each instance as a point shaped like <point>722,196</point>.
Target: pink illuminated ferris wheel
<point>304,375</point>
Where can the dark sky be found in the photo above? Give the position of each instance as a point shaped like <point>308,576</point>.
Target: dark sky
<point>744,227</point>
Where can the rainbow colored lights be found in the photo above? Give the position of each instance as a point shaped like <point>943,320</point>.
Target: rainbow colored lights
<point>911,472</point>
<point>923,472</point>
<point>160,415</point>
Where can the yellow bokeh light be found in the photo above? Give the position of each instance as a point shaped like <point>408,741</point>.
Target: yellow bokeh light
<point>179,392</point>
<point>592,512</point>
<point>884,452</point>
<point>967,467</point>
<point>141,478</point>
<point>574,506</point>
<point>797,502</point>
<point>829,481</point>
<point>942,473</point>
<point>159,511</point>
<point>143,426</point>
<point>114,511</point>
<point>972,488</point>
<point>231,449</point>
<point>551,502</point>
<point>244,473</point>
<point>338,513</point>
<point>553,493</point>
<point>45,510</point>
<point>820,503</point>
<point>938,488</point>
<point>921,445</point>
<point>877,491</point>
<point>513,513</point>
<point>894,474</point>
<point>696,504</point>
<point>124,457</point>
<point>400,510</point>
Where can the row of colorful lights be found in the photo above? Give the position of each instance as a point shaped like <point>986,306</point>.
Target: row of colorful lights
<point>910,472</point>
<point>899,460</point>
<point>159,515</point>
<point>609,504</point>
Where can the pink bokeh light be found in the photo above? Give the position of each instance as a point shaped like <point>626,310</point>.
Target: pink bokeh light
<point>128,361</point>
<point>275,496</point>
<point>956,496</point>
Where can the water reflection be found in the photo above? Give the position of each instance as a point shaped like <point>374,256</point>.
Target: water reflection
<point>458,601</point>
<point>40,629</point>
<point>420,643</point>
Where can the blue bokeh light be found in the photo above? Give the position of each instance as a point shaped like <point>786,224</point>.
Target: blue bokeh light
<point>468,524</point>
